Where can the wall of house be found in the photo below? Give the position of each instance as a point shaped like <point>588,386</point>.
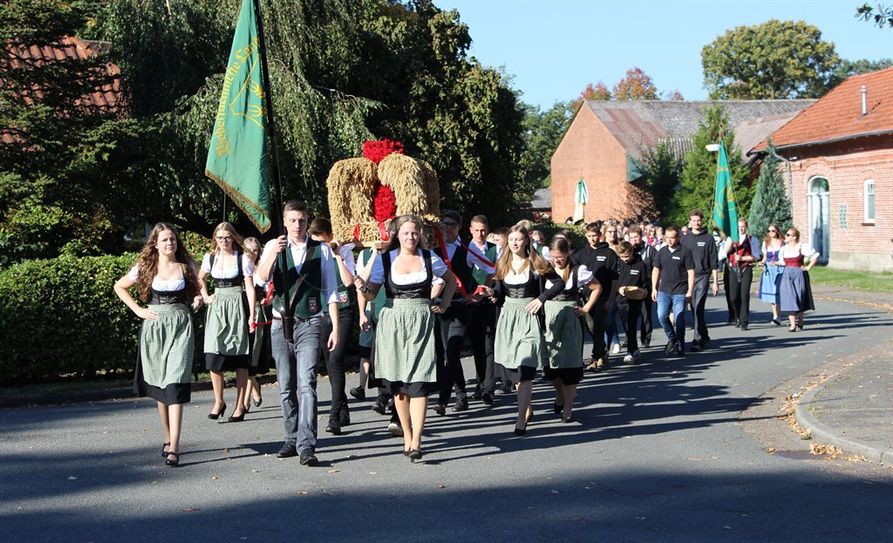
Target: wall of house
<point>589,150</point>
<point>854,243</point>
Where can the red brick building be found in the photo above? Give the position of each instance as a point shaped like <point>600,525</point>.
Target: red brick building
<point>839,170</point>
<point>606,137</point>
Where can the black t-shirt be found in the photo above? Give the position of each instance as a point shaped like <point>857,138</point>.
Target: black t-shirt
<point>602,262</point>
<point>703,251</point>
<point>673,268</point>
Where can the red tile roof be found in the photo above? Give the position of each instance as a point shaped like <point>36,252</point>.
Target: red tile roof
<point>838,114</point>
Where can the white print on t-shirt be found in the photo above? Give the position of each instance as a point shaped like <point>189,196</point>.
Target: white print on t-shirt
<point>634,272</point>
<point>702,243</point>
<point>676,258</point>
<point>601,258</point>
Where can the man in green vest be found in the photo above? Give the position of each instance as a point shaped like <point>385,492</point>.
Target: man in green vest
<point>309,283</point>
<point>482,324</point>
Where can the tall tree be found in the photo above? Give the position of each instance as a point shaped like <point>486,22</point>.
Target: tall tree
<point>599,91</point>
<point>775,59</point>
<point>661,169</point>
<point>849,68</point>
<point>881,15</point>
<point>698,177</point>
<point>771,204</point>
<point>543,131</point>
<point>635,85</point>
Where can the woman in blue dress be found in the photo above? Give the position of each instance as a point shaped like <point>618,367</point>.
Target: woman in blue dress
<point>771,277</point>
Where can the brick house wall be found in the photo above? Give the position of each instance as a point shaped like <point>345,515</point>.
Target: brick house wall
<point>589,150</point>
<point>854,243</point>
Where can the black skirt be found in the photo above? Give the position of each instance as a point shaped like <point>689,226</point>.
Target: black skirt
<point>222,362</point>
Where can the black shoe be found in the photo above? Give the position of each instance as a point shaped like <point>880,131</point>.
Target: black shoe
<point>414,455</point>
<point>164,446</point>
<point>308,458</point>
<point>477,395</point>
<point>333,427</point>
<point>737,323</point>
<point>776,322</point>
<point>358,393</point>
<point>670,348</point>
<point>344,417</point>
<point>646,343</point>
<point>557,408</point>
<point>520,431</point>
<point>215,416</point>
<point>440,409</point>
<point>235,418</point>
<point>172,462</point>
<point>487,398</point>
<point>287,451</point>
<point>381,405</point>
<point>680,349</point>
<point>461,404</point>
<point>744,326</point>
<point>695,346</point>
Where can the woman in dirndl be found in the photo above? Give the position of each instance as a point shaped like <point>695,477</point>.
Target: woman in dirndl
<point>564,329</point>
<point>261,347</point>
<point>166,280</point>
<point>519,346</point>
<point>771,276</point>
<point>227,317</point>
<point>403,356</point>
<point>794,291</point>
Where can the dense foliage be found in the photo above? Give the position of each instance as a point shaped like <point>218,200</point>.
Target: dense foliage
<point>661,169</point>
<point>771,204</point>
<point>775,59</point>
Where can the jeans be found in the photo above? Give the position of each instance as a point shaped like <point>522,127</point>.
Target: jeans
<point>676,302</point>
<point>481,332</point>
<point>335,359</point>
<point>296,373</point>
<point>739,293</point>
<point>698,303</point>
<point>452,335</point>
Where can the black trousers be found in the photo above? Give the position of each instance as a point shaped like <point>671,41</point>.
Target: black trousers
<point>629,311</point>
<point>335,359</point>
<point>452,327</point>
<point>647,325</point>
<point>698,304</point>
<point>597,322</point>
<point>481,333</point>
<point>726,288</point>
<point>739,292</point>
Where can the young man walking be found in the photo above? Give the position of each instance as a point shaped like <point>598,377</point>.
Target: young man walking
<point>601,260</point>
<point>702,246</point>
<point>672,283</point>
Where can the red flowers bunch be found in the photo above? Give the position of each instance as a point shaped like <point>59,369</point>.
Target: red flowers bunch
<point>376,150</point>
<point>384,202</point>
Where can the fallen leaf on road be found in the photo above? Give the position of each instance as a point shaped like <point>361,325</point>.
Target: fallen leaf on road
<point>771,450</point>
<point>440,485</point>
<point>333,471</point>
<point>373,473</point>
<point>214,478</point>
<point>72,478</point>
<point>191,510</point>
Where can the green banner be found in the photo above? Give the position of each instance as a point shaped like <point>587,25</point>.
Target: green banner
<point>725,209</point>
<point>239,154</point>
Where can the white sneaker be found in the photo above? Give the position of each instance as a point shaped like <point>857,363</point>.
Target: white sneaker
<point>628,359</point>
<point>615,348</point>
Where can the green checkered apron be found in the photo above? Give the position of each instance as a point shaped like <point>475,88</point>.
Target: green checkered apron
<point>564,335</point>
<point>519,339</point>
<point>404,342</point>
<point>166,346</point>
<point>226,323</point>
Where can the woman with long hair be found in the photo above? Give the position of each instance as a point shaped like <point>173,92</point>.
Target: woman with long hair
<point>404,357</point>
<point>227,318</point>
<point>794,292</point>
<point>519,346</point>
<point>564,329</point>
<point>261,350</point>
<point>771,276</point>
<point>165,279</point>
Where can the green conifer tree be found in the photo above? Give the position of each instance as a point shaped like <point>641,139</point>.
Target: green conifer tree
<point>699,171</point>
<point>770,203</point>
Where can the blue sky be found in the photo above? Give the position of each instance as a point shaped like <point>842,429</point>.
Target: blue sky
<point>553,48</point>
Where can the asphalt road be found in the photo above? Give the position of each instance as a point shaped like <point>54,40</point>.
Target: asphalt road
<point>660,453</point>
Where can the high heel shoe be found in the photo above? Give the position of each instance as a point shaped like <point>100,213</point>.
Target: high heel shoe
<point>258,401</point>
<point>414,454</point>
<point>164,446</point>
<point>172,462</point>
<point>520,431</point>
<point>215,416</point>
<point>236,418</point>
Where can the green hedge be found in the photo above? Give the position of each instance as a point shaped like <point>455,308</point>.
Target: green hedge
<point>61,317</point>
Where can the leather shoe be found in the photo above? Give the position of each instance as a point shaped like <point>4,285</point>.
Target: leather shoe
<point>333,427</point>
<point>440,409</point>
<point>744,326</point>
<point>287,451</point>
<point>487,398</point>
<point>358,393</point>
<point>344,417</point>
<point>308,458</point>
<point>461,404</point>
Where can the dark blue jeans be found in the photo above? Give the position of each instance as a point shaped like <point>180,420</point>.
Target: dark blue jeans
<point>675,302</point>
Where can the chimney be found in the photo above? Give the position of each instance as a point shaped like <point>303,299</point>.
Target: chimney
<point>864,100</point>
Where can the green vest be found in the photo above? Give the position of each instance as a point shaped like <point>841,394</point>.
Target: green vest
<point>490,254</point>
<point>345,298</point>
<point>305,297</point>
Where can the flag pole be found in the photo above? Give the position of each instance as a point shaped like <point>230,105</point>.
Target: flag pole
<point>275,213</point>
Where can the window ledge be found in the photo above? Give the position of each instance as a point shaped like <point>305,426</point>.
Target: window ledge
<point>872,223</point>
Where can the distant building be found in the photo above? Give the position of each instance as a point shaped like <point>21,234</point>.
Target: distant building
<point>541,204</point>
<point>605,138</point>
<point>839,169</point>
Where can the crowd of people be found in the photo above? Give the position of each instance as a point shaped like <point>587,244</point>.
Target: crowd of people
<point>521,303</point>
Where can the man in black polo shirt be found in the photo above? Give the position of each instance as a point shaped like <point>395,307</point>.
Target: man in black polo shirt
<point>602,262</point>
<point>702,247</point>
<point>672,282</point>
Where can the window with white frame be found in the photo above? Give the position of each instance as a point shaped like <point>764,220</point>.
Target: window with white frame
<point>869,201</point>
